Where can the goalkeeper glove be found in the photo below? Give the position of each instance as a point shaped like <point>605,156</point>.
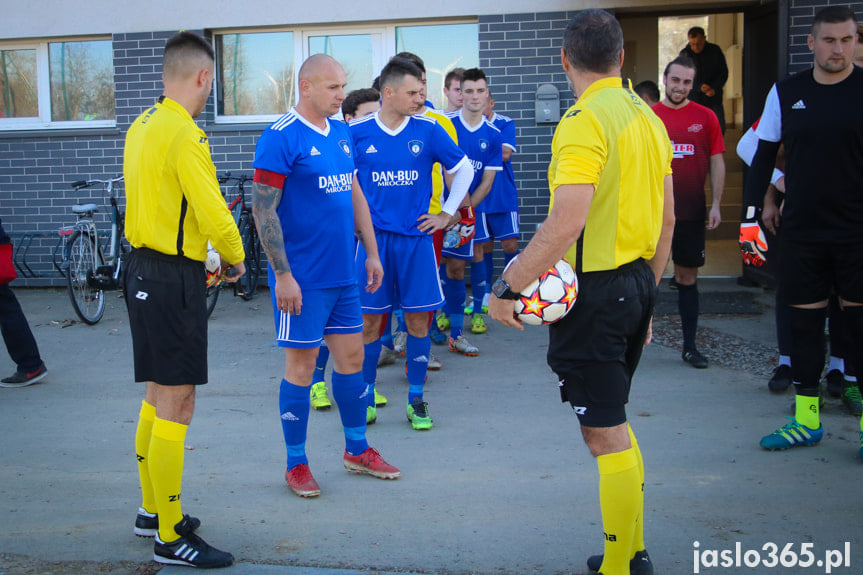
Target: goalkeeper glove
<point>753,245</point>
<point>461,232</point>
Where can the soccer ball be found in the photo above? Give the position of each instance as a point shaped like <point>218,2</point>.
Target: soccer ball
<point>549,298</point>
<point>213,264</point>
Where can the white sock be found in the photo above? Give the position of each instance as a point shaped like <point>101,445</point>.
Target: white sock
<point>785,360</point>
<point>836,363</point>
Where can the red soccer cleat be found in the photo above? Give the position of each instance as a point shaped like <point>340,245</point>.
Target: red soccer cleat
<point>371,462</point>
<point>301,482</point>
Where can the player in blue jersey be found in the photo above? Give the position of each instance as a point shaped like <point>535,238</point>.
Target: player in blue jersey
<point>483,144</point>
<point>357,104</point>
<point>308,208</point>
<point>394,151</point>
<point>497,218</point>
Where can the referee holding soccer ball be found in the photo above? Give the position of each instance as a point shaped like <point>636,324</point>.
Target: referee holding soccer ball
<point>612,216</point>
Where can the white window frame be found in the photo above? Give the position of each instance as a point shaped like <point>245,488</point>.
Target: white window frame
<point>43,90</point>
<point>383,48</point>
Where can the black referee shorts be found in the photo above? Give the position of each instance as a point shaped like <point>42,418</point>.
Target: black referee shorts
<point>166,297</point>
<point>810,272</point>
<point>595,349</point>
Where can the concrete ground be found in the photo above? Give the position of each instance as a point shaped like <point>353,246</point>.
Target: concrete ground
<point>501,485</point>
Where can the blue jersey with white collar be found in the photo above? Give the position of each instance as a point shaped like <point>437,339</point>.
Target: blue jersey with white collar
<point>503,196</point>
<point>483,145</point>
<point>394,168</point>
<point>316,210</point>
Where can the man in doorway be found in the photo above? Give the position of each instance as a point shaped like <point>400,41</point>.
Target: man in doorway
<point>698,149</point>
<point>711,72</point>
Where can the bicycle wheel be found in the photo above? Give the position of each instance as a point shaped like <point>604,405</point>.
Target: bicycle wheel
<point>83,256</point>
<point>248,284</point>
<point>212,298</point>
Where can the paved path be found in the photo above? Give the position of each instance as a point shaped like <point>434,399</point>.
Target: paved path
<point>501,485</point>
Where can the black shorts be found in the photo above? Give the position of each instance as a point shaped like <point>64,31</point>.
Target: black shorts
<point>687,244</point>
<point>166,297</point>
<point>810,272</point>
<point>595,349</point>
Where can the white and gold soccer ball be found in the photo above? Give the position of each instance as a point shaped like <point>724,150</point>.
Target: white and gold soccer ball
<point>548,298</point>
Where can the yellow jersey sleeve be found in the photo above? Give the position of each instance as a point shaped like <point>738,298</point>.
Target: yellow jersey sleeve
<point>579,150</point>
<point>197,175</point>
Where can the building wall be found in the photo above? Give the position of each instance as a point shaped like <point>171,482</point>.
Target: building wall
<point>802,13</point>
<point>518,52</point>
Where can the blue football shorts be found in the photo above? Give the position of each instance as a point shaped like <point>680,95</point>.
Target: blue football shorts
<point>324,312</point>
<point>500,226</point>
<point>410,274</point>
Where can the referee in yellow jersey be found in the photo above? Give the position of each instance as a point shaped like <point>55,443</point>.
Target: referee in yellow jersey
<point>612,217</point>
<point>173,207</point>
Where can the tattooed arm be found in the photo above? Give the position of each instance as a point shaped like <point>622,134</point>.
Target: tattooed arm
<point>366,234</point>
<point>265,200</point>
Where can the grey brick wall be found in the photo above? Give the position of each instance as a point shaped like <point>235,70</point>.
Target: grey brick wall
<point>519,52</point>
<point>802,13</point>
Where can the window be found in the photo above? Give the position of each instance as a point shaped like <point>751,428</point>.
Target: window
<point>257,70</point>
<point>256,75</point>
<point>359,54</point>
<point>66,84</point>
<point>442,48</point>
<point>673,38</point>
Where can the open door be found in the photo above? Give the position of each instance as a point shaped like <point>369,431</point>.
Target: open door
<point>765,29</point>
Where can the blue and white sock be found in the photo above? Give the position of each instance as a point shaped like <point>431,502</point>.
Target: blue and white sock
<point>294,403</point>
<point>418,353</point>
<point>454,307</point>
<point>349,393</point>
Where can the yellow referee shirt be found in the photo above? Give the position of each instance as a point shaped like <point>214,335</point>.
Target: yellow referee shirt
<point>173,201</point>
<point>437,174</point>
<point>610,138</point>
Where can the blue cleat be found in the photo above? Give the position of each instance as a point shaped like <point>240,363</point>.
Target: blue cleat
<point>792,435</point>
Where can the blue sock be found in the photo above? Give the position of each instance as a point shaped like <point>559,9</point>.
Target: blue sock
<point>294,403</point>
<point>508,257</point>
<point>321,363</point>
<point>455,292</point>
<point>477,284</point>
<point>418,351</point>
<point>348,391</point>
<point>370,368</point>
<point>489,269</point>
<point>387,337</point>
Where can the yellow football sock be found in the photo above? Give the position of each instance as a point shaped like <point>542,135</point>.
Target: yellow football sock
<point>142,448</point>
<point>166,473</point>
<point>620,499</point>
<point>807,412</point>
<point>638,541</point>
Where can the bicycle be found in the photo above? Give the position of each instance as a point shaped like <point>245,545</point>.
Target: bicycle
<point>242,212</point>
<point>90,267</point>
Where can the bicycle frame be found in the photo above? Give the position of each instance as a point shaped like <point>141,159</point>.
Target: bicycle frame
<point>108,275</point>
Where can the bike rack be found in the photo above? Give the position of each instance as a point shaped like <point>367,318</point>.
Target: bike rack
<point>22,251</point>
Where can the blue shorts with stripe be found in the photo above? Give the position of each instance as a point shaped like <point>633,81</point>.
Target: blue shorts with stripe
<point>500,226</point>
<point>324,312</point>
<point>410,274</point>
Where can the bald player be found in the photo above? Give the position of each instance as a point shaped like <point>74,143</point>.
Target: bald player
<point>309,208</point>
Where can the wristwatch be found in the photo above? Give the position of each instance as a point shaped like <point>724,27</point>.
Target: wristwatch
<point>502,290</point>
